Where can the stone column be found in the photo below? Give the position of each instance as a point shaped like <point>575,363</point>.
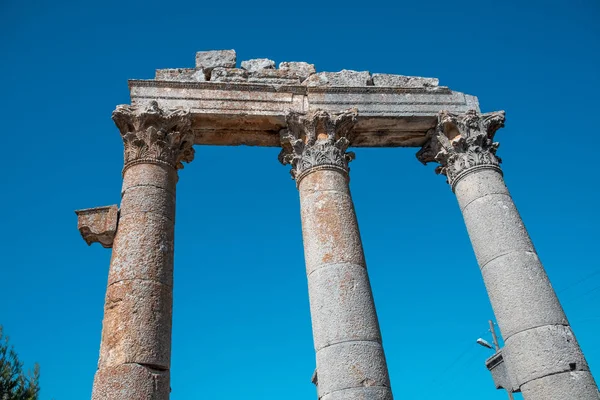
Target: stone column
<point>542,356</point>
<point>135,352</point>
<point>350,359</point>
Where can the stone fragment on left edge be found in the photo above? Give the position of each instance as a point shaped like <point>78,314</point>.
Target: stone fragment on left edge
<point>344,78</point>
<point>98,224</point>
<point>258,64</point>
<point>390,80</point>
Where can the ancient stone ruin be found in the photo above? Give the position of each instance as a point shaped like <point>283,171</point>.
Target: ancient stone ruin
<point>315,117</point>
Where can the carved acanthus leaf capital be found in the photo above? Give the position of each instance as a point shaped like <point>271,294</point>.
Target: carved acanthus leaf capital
<point>463,141</point>
<point>153,134</point>
<point>317,139</point>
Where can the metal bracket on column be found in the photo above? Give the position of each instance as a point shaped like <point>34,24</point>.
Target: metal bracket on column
<point>98,224</point>
<point>495,364</point>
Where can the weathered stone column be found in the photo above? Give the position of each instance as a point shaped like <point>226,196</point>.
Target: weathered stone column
<point>350,359</point>
<point>135,353</point>
<point>542,356</point>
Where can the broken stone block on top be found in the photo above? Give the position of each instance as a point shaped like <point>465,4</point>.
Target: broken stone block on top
<point>216,58</point>
<point>391,80</point>
<point>299,68</point>
<point>180,74</point>
<point>258,64</point>
<point>344,78</point>
<point>219,74</point>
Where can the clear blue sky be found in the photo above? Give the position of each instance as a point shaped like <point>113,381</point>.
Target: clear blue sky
<point>241,315</point>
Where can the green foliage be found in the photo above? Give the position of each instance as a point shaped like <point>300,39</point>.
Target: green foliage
<point>14,383</point>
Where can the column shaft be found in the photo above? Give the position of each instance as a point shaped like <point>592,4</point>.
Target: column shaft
<point>136,337</point>
<point>541,352</point>
<point>135,353</point>
<point>541,355</point>
<point>350,359</point>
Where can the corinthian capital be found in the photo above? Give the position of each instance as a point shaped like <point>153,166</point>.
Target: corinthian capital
<point>153,135</point>
<point>461,142</point>
<point>318,139</point>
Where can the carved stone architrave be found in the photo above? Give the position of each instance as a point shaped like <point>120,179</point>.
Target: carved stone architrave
<point>155,135</point>
<point>462,143</point>
<point>317,139</point>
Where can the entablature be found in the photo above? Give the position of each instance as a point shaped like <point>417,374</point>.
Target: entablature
<point>248,107</point>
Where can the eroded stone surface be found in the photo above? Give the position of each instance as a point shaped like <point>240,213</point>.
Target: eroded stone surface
<point>181,75</point>
<point>576,385</point>
<point>98,225</point>
<point>131,382</point>
<point>302,69</point>
<point>216,58</point>
<point>258,64</point>
<point>344,78</point>
<point>352,366</point>
<point>274,77</point>
<point>228,75</point>
<point>137,324</point>
<point>403,81</point>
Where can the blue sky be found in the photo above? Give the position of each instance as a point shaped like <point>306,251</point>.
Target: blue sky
<point>241,316</point>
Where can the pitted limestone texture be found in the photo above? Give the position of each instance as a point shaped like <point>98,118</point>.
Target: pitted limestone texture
<point>229,75</point>
<point>329,220</point>
<point>300,68</point>
<point>346,333</point>
<point>145,253</point>
<point>342,305</point>
<point>513,274</point>
<point>352,366</point>
<point>181,75</point>
<point>360,393</point>
<point>131,382</point>
<point>216,58</point>
<point>389,80</point>
<point>137,324</point>
<point>98,225</point>
<point>542,352</point>
<point>275,77</point>
<point>576,385</point>
<point>258,64</point>
<point>343,78</point>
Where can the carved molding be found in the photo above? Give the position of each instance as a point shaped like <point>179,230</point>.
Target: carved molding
<point>462,142</point>
<point>317,139</point>
<point>98,225</point>
<point>155,135</point>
